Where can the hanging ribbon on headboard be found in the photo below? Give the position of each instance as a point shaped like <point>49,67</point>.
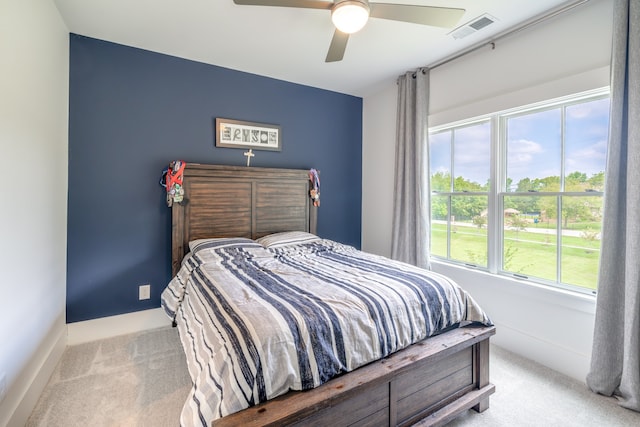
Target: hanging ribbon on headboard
<point>314,192</point>
<point>172,181</point>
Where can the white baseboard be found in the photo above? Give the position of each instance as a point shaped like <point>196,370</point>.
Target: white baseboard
<point>25,391</point>
<point>106,327</point>
<point>560,359</point>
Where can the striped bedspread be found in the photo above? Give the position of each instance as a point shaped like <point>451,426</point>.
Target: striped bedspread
<point>256,321</point>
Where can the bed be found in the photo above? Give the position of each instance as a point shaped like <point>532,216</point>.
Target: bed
<point>361,340</point>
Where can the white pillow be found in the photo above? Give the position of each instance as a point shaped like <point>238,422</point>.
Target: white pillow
<point>287,238</point>
<point>222,242</point>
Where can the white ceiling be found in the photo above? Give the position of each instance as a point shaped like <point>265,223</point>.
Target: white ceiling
<point>290,43</point>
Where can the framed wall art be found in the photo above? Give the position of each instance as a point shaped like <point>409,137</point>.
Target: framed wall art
<point>240,134</point>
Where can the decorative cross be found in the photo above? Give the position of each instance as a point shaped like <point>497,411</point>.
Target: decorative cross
<point>249,154</point>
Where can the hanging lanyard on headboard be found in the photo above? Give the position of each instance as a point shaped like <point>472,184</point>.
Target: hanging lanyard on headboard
<point>172,181</point>
<point>314,192</point>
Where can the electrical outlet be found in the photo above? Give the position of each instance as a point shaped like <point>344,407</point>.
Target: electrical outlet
<point>144,291</point>
<point>3,386</point>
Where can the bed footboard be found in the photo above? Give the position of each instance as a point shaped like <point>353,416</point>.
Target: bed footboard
<point>427,384</point>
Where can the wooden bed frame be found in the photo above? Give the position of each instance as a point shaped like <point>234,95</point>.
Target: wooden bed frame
<point>236,201</point>
<point>426,384</point>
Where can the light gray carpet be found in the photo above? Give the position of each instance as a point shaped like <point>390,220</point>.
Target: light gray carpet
<point>141,380</point>
<point>529,394</point>
<point>131,380</point>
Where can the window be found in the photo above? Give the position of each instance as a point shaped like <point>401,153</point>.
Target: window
<point>459,205</point>
<point>520,192</point>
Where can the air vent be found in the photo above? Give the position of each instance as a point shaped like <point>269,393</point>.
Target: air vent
<point>473,26</point>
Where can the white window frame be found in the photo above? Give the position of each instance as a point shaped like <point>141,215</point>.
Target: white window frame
<point>450,192</point>
<point>497,188</point>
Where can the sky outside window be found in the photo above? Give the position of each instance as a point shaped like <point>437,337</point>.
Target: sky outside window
<point>533,146</point>
<point>472,156</point>
<point>440,159</point>
<point>586,135</point>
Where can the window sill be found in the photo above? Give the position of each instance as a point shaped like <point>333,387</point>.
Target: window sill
<point>521,289</point>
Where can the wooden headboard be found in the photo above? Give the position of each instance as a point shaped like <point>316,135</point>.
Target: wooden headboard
<point>236,201</point>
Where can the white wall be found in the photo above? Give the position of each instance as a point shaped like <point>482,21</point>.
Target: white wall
<point>566,54</point>
<point>378,156</point>
<point>34,75</point>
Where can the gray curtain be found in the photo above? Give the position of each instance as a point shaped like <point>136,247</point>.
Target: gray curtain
<point>615,359</point>
<point>411,199</point>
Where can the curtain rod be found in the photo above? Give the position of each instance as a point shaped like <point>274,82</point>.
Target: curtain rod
<point>512,31</point>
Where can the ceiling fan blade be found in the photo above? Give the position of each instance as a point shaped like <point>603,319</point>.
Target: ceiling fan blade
<point>337,47</point>
<point>307,4</point>
<point>445,17</point>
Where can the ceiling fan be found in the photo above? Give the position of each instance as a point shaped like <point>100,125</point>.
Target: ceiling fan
<point>349,16</point>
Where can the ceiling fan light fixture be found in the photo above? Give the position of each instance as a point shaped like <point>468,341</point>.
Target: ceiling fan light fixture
<point>350,16</point>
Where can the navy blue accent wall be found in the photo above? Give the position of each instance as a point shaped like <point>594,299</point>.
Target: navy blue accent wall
<point>132,111</point>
